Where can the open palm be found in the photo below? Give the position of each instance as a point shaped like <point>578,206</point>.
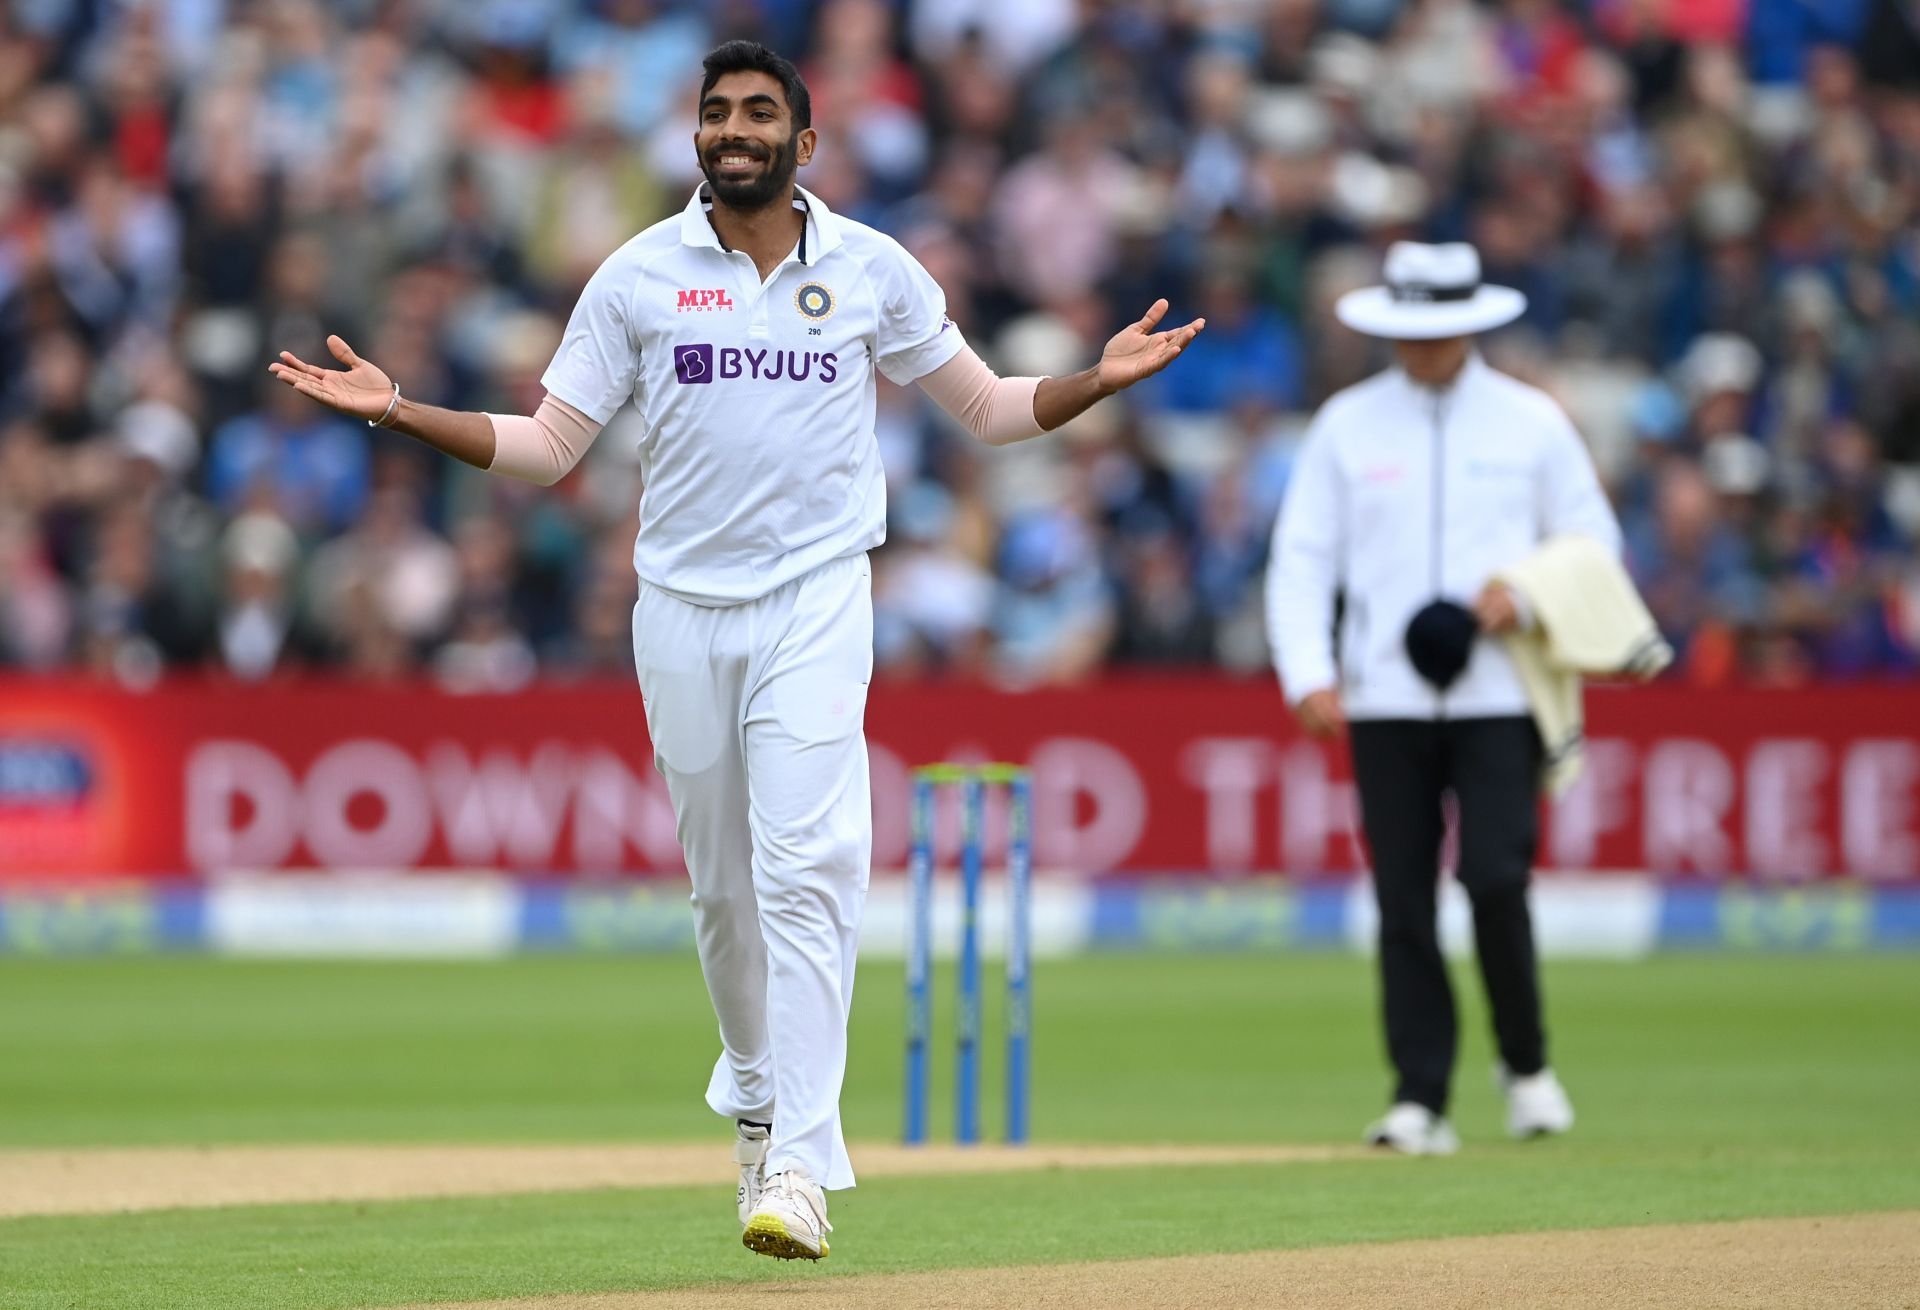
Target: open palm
<point>1137,351</point>
<point>360,391</point>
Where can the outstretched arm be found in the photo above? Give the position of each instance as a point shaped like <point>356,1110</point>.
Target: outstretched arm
<point>1135,352</point>
<point>995,409</point>
<point>542,448</point>
<point>362,390</point>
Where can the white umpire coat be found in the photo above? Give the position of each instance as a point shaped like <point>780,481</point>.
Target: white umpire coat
<point>1403,494</point>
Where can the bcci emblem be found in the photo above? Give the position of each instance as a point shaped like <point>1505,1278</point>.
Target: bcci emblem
<point>814,301</point>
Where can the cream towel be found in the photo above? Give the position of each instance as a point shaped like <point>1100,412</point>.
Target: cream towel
<point>1587,619</point>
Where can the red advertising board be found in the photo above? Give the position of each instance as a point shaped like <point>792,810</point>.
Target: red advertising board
<point>1137,774</point>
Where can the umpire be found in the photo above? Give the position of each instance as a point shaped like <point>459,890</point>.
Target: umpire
<point>1413,488</point>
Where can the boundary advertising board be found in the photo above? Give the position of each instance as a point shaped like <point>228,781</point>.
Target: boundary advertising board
<point>1184,775</point>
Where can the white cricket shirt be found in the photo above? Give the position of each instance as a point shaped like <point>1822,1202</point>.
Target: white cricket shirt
<point>1404,494</point>
<point>759,456</point>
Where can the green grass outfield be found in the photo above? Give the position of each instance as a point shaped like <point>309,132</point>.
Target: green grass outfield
<point>1708,1087</point>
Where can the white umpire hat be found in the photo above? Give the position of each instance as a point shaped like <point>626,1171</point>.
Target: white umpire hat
<point>1431,292</point>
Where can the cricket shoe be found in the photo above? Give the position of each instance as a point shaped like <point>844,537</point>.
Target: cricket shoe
<point>1413,1129</point>
<point>750,1153</point>
<point>790,1223</point>
<point>1537,1105</point>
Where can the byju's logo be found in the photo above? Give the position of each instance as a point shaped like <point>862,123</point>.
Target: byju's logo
<point>693,363</point>
<point>701,363</point>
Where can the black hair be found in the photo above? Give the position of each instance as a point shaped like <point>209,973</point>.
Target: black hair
<point>752,57</point>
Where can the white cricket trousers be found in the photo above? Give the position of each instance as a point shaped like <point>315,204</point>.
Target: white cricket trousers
<point>756,713</point>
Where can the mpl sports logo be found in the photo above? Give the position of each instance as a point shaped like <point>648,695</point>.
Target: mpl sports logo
<point>700,363</point>
<point>697,301</point>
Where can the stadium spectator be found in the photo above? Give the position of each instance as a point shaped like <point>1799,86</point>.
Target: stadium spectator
<point>1711,204</point>
<point>310,467</point>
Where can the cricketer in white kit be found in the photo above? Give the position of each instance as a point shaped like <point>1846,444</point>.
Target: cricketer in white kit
<point>747,330</point>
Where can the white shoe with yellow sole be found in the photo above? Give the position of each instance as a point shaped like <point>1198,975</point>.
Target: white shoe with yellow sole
<point>790,1223</point>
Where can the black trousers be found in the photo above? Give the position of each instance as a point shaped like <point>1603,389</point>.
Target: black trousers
<point>1403,768</point>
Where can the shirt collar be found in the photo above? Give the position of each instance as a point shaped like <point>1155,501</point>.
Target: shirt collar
<point>822,231</point>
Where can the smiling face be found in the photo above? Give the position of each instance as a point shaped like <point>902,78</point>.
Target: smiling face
<point>746,142</point>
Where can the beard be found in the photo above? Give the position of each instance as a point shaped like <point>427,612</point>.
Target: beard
<point>758,192</point>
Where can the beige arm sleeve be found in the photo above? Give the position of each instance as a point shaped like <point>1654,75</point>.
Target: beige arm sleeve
<point>995,409</point>
<point>543,448</point>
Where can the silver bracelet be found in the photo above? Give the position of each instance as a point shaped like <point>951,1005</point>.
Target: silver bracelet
<point>392,405</point>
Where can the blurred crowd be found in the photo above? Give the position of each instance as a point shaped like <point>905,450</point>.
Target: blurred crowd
<point>1711,205</point>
